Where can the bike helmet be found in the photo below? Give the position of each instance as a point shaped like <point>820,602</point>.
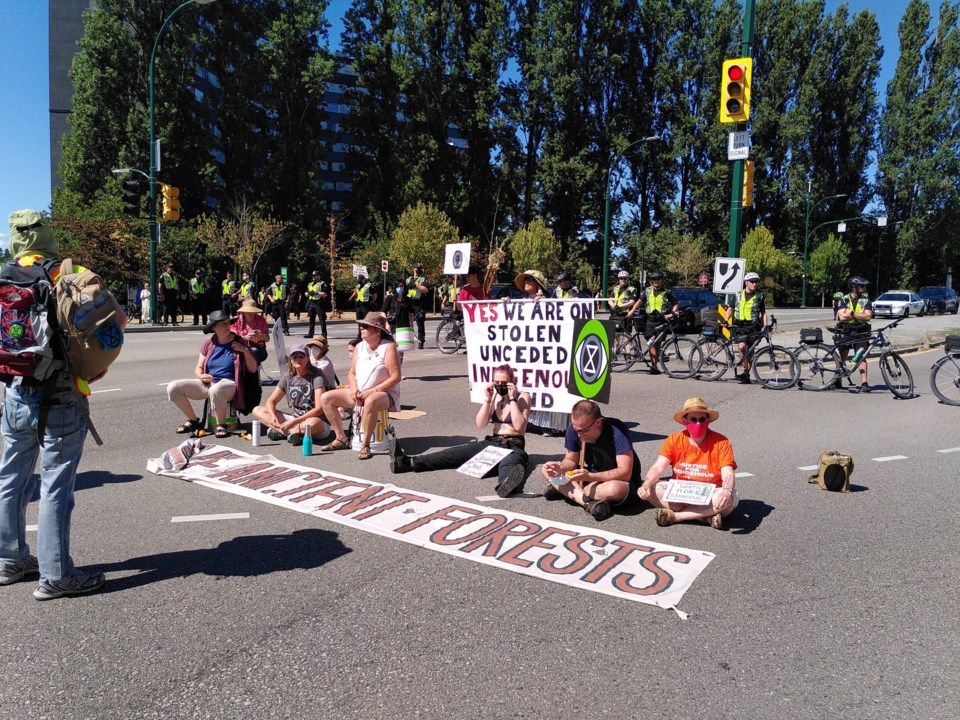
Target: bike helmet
<point>857,280</point>
<point>656,275</point>
<point>315,272</point>
<point>563,276</point>
<point>623,274</point>
<point>751,276</point>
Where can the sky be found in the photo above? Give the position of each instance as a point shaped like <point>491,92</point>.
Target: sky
<point>24,93</point>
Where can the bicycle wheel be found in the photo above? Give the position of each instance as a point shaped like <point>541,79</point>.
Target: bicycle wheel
<point>715,358</point>
<point>775,367</point>
<point>896,375</point>
<point>945,379</point>
<point>819,366</point>
<point>624,352</point>
<point>680,357</point>
<point>449,336</point>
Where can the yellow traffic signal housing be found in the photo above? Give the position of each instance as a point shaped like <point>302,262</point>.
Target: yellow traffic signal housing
<point>735,90</point>
<point>747,199</point>
<point>171,203</point>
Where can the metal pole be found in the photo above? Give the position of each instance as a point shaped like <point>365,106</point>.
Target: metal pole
<point>736,191</point>
<point>806,237</point>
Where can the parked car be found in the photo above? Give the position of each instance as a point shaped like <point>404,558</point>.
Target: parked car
<point>939,299</point>
<point>692,300</point>
<point>899,303</point>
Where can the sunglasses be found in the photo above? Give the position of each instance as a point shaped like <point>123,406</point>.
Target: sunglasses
<point>500,384</point>
<point>697,420</point>
<point>297,356</point>
<point>581,431</point>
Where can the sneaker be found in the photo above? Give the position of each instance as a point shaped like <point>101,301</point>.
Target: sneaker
<point>513,482</point>
<point>295,439</point>
<point>399,462</point>
<point>16,573</point>
<point>655,370</point>
<point>275,435</point>
<point>600,509</point>
<point>420,346</point>
<point>744,378</point>
<point>77,584</point>
<point>862,388</point>
<point>551,493</point>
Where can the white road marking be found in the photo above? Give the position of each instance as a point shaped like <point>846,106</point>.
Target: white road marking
<point>494,498</point>
<point>890,457</point>
<point>94,392</point>
<point>202,518</point>
<point>31,528</point>
<point>949,450</point>
<point>808,467</point>
<point>488,498</point>
<point>743,474</point>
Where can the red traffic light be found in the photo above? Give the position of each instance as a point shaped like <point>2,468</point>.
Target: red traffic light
<point>735,73</point>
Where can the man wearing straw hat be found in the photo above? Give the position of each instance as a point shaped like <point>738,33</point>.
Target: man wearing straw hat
<point>699,454</point>
<point>600,470</point>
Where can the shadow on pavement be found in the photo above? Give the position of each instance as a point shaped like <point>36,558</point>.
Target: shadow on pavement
<point>246,556</point>
<point>98,478</point>
<point>433,378</point>
<point>747,517</point>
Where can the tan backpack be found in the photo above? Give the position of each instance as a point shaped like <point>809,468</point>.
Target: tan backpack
<point>88,315</point>
<point>834,471</point>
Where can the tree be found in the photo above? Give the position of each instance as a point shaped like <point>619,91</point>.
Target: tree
<point>244,236</point>
<point>772,265</point>
<point>535,247</point>
<point>422,235</point>
<point>689,258</point>
<point>115,249</point>
<point>829,268</point>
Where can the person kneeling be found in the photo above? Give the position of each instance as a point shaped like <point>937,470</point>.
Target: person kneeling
<point>302,386</point>
<point>699,454</point>
<point>603,475</point>
<point>508,409</point>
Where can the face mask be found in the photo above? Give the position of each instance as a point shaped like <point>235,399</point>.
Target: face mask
<point>696,430</point>
<point>501,390</point>
<point>399,291</point>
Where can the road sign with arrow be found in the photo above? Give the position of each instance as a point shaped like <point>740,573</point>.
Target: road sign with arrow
<point>728,275</point>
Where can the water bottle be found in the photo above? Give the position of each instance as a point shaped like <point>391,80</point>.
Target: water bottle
<point>255,433</point>
<point>857,356</point>
<point>307,445</point>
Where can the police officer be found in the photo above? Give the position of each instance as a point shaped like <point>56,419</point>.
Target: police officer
<point>418,289</point>
<point>854,315</point>
<point>169,287</point>
<point>749,317</point>
<point>317,292</point>
<point>624,296</point>
<point>197,303</point>
<point>248,288</point>
<point>361,292</point>
<point>564,289</point>
<point>279,301</point>
<point>659,304</point>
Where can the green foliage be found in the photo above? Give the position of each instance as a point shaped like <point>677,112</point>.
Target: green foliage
<point>689,257</point>
<point>535,247</point>
<point>421,235</point>
<point>828,265</point>
<point>245,236</point>
<point>773,266</point>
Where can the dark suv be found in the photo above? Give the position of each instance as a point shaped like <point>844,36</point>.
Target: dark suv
<point>939,299</point>
<point>692,300</point>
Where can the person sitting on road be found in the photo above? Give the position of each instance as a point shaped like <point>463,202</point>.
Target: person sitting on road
<point>854,314</point>
<point>303,385</point>
<point>223,358</point>
<point>699,454</point>
<point>317,351</point>
<point>373,383</point>
<point>600,469</point>
<point>508,409</point>
<point>659,305</point>
<point>252,327</point>
<point>749,318</point>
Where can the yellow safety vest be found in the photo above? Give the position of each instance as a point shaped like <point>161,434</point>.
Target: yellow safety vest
<point>620,298</point>
<point>228,286</point>
<point>655,300</point>
<point>247,290</point>
<point>854,306</point>
<point>196,286</point>
<point>313,290</point>
<point>361,289</point>
<point>277,292</point>
<point>169,281</point>
<point>745,307</point>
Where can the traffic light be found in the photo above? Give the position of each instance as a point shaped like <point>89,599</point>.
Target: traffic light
<point>171,202</point>
<point>747,184</point>
<point>132,190</point>
<point>735,90</point>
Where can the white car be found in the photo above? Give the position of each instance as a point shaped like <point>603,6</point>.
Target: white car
<point>898,303</point>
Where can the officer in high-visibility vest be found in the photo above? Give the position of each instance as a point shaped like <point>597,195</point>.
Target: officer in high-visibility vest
<point>279,299</point>
<point>228,289</point>
<point>197,303</point>
<point>418,289</point>
<point>169,287</point>
<point>361,292</point>
<point>623,300</point>
<point>658,304</point>
<point>565,289</point>
<point>853,322</point>
<point>248,289</point>
<point>749,317</point>
<point>317,292</point>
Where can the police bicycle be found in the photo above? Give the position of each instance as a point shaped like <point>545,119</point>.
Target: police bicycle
<point>773,366</point>
<point>822,367</point>
<point>678,357</point>
<point>945,373</point>
<point>450,337</point>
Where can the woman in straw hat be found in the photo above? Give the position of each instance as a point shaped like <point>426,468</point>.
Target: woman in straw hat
<point>532,284</point>
<point>252,327</point>
<point>698,454</point>
<point>373,383</point>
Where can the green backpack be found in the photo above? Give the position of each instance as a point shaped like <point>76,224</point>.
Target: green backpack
<point>834,471</point>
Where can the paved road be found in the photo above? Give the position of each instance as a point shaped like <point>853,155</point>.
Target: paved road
<point>817,605</point>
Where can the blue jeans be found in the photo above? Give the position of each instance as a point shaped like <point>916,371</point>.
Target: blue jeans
<point>63,439</point>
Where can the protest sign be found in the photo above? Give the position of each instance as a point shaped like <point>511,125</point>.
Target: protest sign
<point>479,464</point>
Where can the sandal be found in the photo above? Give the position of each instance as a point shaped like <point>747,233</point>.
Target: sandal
<point>365,453</point>
<point>337,444</point>
<point>190,426</point>
<point>665,517</point>
<point>221,431</point>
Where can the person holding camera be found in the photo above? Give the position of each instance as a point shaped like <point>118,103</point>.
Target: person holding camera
<point>508,409</point>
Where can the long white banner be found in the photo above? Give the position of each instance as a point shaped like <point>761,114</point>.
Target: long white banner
<point>535,338</point>
<point>589,559</point>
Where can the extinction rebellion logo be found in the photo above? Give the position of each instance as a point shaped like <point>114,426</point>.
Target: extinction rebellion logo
<point>590,359</point>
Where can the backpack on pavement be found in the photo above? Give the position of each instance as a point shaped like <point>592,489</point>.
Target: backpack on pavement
<point>834,471</point>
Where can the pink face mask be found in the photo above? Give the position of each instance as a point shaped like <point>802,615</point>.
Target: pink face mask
<point>696,430</point>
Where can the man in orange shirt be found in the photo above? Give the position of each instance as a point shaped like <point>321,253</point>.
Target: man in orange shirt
<point>699,454</point>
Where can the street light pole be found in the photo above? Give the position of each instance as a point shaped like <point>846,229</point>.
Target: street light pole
<point>152,175</point>
<point>806,237</point>
<point>606,210</point>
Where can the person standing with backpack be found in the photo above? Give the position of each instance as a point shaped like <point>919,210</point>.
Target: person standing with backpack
<point>45,418</point>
